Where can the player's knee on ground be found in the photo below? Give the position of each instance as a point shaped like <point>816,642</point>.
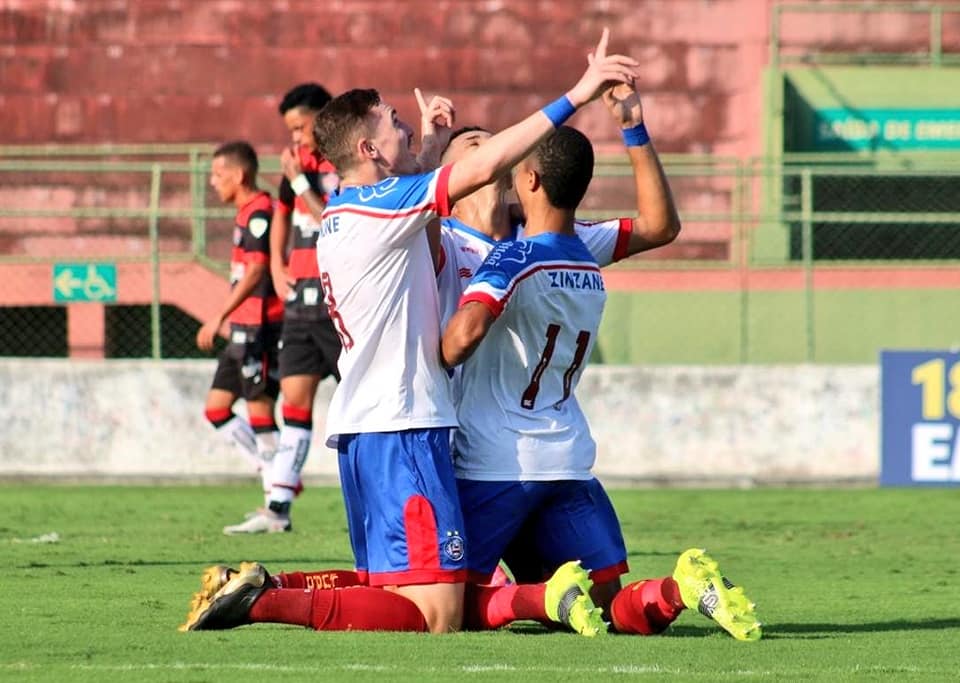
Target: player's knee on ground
<point>441,604</point>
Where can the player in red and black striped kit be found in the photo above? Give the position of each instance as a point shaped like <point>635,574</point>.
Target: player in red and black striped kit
<point>310,345</point>
<point>248,366</point>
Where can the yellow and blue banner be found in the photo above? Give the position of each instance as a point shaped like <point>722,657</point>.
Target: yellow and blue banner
<point>920,417</point>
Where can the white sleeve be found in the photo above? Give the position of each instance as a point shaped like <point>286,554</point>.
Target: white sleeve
<point>607,241</point>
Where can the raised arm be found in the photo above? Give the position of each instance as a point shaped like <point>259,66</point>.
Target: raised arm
<point>436,126</point>
<point>505,149</point>
<point>657,222</point>
<point>290,162</point>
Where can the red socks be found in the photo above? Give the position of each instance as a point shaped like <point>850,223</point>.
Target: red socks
<point>331,578</point>
<point>647,606</point>
<point>489,607</point>
<point>350,609</point>
<point>644,607</point>
<point>283,606</point>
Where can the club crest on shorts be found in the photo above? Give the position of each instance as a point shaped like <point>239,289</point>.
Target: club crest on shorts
<point>453,546</point>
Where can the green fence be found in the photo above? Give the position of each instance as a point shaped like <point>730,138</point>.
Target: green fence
<point>810,33</point>
<point>822,258</point>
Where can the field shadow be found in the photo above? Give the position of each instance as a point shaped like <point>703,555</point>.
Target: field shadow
<point>817,631</point>
<point>824,630</point>
<point>301,563</point>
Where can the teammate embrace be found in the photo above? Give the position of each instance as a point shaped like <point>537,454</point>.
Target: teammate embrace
<point>427,525</point>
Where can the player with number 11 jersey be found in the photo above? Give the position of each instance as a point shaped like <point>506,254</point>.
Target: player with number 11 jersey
<point>548,296</point>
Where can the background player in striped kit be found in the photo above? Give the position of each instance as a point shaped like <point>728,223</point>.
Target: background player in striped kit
<point>248,365</point>
<point>310,346</point>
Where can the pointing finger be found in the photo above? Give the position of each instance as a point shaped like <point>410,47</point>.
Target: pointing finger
<point>420,101</point>
<point>601,50</point>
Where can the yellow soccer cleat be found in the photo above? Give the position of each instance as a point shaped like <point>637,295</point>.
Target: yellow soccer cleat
<point>214,578</point>
<point>230,606</point>
<point>567,601</point>
<point>704,588</point>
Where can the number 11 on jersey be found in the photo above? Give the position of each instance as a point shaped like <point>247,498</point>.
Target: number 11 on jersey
<point>529,398</point>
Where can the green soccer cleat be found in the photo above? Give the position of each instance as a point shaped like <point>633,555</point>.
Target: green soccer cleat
<point>229,606</point>
<point>704,588</point>
<point>567,601</point>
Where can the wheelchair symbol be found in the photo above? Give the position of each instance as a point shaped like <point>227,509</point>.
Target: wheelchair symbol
<point>95,287</point>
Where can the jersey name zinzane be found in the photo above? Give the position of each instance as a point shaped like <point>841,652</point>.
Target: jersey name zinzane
<point>464,250</point>
<point>548,296</point>
<point>305,300</point>
<point>251,244</point>
<point>381,291</point>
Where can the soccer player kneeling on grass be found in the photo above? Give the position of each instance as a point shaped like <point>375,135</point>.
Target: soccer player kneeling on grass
<point>540,300</point>
<point>391,413</point>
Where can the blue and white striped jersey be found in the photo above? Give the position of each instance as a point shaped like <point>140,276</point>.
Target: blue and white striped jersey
<point>519,417</point>
<point>380,288</point>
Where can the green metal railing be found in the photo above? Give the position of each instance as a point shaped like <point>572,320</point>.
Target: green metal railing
<point>789,215</point>
<point>934,55</point>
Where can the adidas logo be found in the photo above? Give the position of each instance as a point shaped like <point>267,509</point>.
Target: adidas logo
<point>708,602</point>
<point>566,603</point>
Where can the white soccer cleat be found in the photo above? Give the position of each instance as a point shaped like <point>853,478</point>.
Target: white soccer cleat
<point>264,522</point>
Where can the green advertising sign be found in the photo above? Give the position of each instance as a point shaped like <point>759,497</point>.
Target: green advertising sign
<point>84,282</point>
<point>895,129</point>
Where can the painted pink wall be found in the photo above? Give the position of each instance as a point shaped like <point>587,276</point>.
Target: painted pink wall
<point>205,70</point>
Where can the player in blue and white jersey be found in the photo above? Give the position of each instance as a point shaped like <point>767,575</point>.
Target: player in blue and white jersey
<point>485,218</point>
<point>523,451</point>
<point>391,412</point>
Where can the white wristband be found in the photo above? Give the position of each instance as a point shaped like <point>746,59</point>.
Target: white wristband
<point>300,184</point>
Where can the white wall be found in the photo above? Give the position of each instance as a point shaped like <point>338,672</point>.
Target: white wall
<point>725,425</point>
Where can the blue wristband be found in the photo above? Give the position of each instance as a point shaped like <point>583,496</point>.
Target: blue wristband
<point>636,136</point>
<point>559,111</point>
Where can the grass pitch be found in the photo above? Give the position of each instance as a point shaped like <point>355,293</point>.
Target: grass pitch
<point>849,584</point>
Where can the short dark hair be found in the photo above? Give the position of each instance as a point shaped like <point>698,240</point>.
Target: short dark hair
<point>241,153</point>
<point>339,125</point>
<point>565,163</point>
<point>462,131</point>
<point>311,96</point>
